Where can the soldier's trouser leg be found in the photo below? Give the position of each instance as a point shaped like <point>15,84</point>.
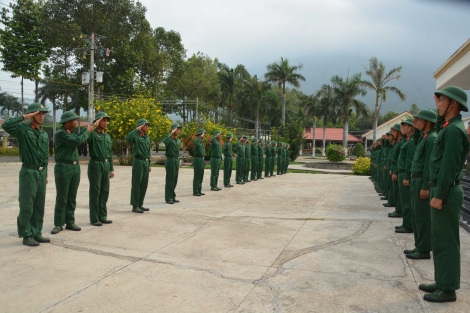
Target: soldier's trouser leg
<point>422,216</point>
<point>239,169</point>
<point>140,180</point>
<point>254,167</point>
<point>98,176</point>
<point>198,165</point>
<point>267,167</point>
<point>215,168</point>
<point>260,167</point>
<point>227,171</point>
<point>32,198</point>
<point>390,195</point>
<point>272,163</point>
<point>171,179</point>
<point>246,169</point>
<point>278,165</point>
<point>405,196</point>
<point>67,179</point>
<point>396,193</point>
<point>446,240</point>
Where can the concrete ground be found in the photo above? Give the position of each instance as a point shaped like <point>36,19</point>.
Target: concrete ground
<point>293,243</point>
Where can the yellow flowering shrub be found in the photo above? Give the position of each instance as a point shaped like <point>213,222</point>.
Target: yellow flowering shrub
<point>361,166</point>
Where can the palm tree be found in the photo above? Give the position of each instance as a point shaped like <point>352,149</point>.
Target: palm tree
<point>258,96</point>
<point>326,110</point>
<point>282,73</point>
<point>345,93</point>
<point>230,81</point>
<point>379,80</point>
<point>9,103</point>
<point>311,105</point>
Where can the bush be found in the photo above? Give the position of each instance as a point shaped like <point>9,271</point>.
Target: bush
<point>361,166</point>
<point>359,150</point>
<point>318,151</point>
<point>335,153</point>
<point>9,151</point>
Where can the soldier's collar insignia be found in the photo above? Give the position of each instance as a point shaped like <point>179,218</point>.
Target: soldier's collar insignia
<point>425,136</point>
<point>445,124</point>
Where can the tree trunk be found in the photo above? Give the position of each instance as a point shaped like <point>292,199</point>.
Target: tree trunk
<point>345,135</point>
<point>324,138</point>
<point>284,104</point>
<point>36,91</point>
<point>314,126</point>
<point>22,95</point>
<point>376,117</point>
<point>54,123</point>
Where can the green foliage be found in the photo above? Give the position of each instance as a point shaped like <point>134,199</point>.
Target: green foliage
<point>414,109</point>
<point>292,134</point>
<point>335,153</point>
<point>9,151</point>
<point>318,151</point>
<point>359,150</point>
<point>9,103</point>
<point>361,166</point>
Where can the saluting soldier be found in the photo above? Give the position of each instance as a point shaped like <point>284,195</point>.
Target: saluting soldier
<point>273,158</point>
<point>228,153</point>
<point>67,170</point>
<point>267,164</point>
<point>420,208</point>
<point>240,161</point>
<point>198,162</point>
<point>246,170</point>
<point>216,159</point>
<point>172,163</point>
<point>254,158</point>
<point>100,170</point>
<point>447,159</point>
<point>33,144</point>
<point>398,136</point>
<point>260,159</point>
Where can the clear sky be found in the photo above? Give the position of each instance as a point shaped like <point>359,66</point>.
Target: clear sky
<point>421,33</point>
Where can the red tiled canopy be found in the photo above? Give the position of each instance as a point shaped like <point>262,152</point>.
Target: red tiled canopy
<point>332,134</point>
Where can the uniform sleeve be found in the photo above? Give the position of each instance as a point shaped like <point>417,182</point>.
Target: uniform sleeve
<point>428,145</point>
<point>450,164</point>
<point>166,140</point>
<point>132,136</point>
<point>12,126</point>
<point>73,140</point>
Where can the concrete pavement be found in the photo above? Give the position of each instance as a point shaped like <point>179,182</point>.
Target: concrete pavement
<point>292,243</point>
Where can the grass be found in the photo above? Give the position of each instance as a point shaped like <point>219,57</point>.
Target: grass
<point>9,151</point>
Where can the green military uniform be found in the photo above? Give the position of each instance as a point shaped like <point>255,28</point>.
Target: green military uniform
<point>99,171</point>
<point>216,160</point>
<point>240,161</point>
<point>273,158</point>
<point>267,164</point>
<point>279,159</point>
<point>407,151</point>
<point>388,178</point>
<point>228,161</point>
<point>33,144</point>
<point>246,170</point>
<point>198,162</point>
<point>259,168</point>
<point>67,173</point>
<point>254,158</point>
<point>172,165</point>
<point>420,208</point>
<point>394,168</point>
<point>140,166</point>
<point>447,159</point>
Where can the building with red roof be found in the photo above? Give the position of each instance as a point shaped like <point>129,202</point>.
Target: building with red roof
<point>333,135</point>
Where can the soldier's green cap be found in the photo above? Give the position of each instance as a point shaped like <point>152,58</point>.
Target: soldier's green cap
<point>34,107</point>
<point>216,133</point>
<point>68,116</point>
<point>142,121</point>
<point>396,127</point>
<point>454,93</point>
<point>389,133</point>
<point>427,115</point>
<point>101,115</point>
<point>268,142</point>
<point>253,138</point>
<point>246,137</point>
<point>200,131</point>
<point>228,135</point>
<point>273,142</point>
<point>175,125</point>
<point>241,136</point>
<point>408,121</point>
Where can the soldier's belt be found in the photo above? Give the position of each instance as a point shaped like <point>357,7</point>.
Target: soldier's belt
<point>434,183</point>
<point>37,168</point>
<point>67,162</point>
<point>213,157</point>
<point>142,159</point>
<point>100,160</point>
<point>417,175</point>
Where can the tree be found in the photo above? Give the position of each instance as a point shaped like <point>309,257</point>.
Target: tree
<point>345,93</point>
<point>22,50</point>
<point>379,80</point>
<point>414,109</point>
<point>326,110</point>
<point>282,73</point>
<point>311,105</point>
<point>9,103</point>
<point>291,133</point>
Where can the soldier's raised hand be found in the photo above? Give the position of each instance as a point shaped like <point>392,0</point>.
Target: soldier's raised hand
<point>30,115</point>
<point>90,128</point>
<point>97,122</point>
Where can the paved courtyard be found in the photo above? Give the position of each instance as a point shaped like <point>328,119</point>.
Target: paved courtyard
<point>293,243</point>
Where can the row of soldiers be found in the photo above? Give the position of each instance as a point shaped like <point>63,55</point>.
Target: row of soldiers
<point>33,145</point>
<point>417,167</point>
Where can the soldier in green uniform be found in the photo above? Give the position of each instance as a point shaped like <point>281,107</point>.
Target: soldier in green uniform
<point>259,168</point>
<point>407,151</point>
<point>446,163</point>
<point>228,153</point>
<point>246,170</point>
<point>172,163</point>
<point>398,136</point>
<point>273,158</point>
<point>240,162</point>
<point>384,161</point>
<point>198,162</point>
<point>100,170</point>
<point>67,170</point>
<point>267,162</point>
<point>216,159</point>
<point>279,158</point>
<point>33,144</point>
<point>254,158</point>
<point>141,164</point>
<point>387,168</point>
<point>420,209</point>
